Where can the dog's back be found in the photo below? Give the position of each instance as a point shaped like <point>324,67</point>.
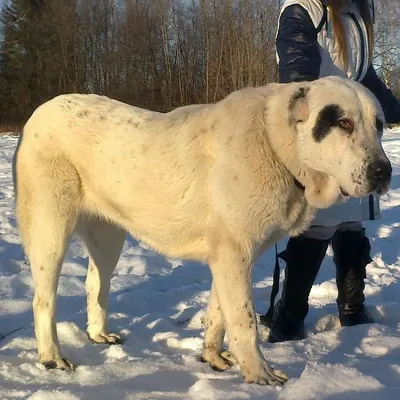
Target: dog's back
<point>138,168</point>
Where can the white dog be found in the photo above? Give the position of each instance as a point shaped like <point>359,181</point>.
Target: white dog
<point>216,183</point>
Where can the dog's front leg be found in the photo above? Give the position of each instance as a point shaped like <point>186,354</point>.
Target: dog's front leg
<point>231,269</point>
<point>214,336</point>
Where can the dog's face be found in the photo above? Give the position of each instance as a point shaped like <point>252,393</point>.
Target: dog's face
<point>339,127</point>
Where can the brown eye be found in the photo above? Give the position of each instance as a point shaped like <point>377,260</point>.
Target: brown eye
<point>346,124</point>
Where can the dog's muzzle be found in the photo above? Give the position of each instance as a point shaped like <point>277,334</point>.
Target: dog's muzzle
<point>379,175</point>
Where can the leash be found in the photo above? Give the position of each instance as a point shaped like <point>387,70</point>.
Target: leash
<point>268,317</point>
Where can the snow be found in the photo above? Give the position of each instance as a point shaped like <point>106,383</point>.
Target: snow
<point>157,305</point>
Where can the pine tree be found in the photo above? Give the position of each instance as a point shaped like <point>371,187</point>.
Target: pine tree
<point>39,55</point>
<point>18,59</point>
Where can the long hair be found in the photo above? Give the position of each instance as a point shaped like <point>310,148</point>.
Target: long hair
<point>339,29</point>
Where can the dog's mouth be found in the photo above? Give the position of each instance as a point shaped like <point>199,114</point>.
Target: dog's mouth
<point>379,190</point>
<point>382,189</point>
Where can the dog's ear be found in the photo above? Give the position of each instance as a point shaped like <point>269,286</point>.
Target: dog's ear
<point>322,191</point>
<point>298,106</point>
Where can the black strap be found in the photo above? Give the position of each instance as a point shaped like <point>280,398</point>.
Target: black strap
<point>372,6</point>
<point>323,20</point>
<point>267,318</point>
<point>371,207</point>
<point>298,184</point>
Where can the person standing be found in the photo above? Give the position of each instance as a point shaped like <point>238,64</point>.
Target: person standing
<point>315,39</point>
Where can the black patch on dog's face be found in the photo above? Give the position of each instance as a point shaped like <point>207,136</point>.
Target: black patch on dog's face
<point>327,119</point>
<point>297,95</point>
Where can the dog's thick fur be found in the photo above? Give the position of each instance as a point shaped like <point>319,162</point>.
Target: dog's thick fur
<point>216,183</point>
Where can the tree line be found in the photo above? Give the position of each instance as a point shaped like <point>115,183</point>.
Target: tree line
<point>157,54</point>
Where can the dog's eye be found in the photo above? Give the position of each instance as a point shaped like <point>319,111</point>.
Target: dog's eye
<point>346,124</point>
<point>379,125</point>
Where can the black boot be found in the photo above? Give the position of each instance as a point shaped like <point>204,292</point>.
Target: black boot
<point>303,258</point>
<point>351,256</point>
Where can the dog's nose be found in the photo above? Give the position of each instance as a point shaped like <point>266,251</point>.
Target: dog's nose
<point>380,171</point>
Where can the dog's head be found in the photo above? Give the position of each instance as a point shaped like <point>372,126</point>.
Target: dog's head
<point>339,126</point>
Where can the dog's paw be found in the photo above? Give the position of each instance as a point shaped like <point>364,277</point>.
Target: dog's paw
<point>217,362</point>
<point>229,356</point>
<point>267,376</point>
<point>60,363</point>
<point>102,338</point>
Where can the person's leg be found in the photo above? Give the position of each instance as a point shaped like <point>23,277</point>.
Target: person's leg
<point>304,255</point>
<point>351,250</point>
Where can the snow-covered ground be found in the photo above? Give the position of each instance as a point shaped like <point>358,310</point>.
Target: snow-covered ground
<point>158,305</point>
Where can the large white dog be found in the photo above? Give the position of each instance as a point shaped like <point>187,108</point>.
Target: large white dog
<point>216,183</point>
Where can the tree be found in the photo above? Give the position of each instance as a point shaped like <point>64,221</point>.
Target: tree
<point>17,59</point>
<point>39,55</point>
<point>156,54</point>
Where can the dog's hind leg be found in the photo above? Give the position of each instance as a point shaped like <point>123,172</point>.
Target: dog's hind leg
<point>104,242</point>
<point>230,265</point>
<point>47,206</point>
